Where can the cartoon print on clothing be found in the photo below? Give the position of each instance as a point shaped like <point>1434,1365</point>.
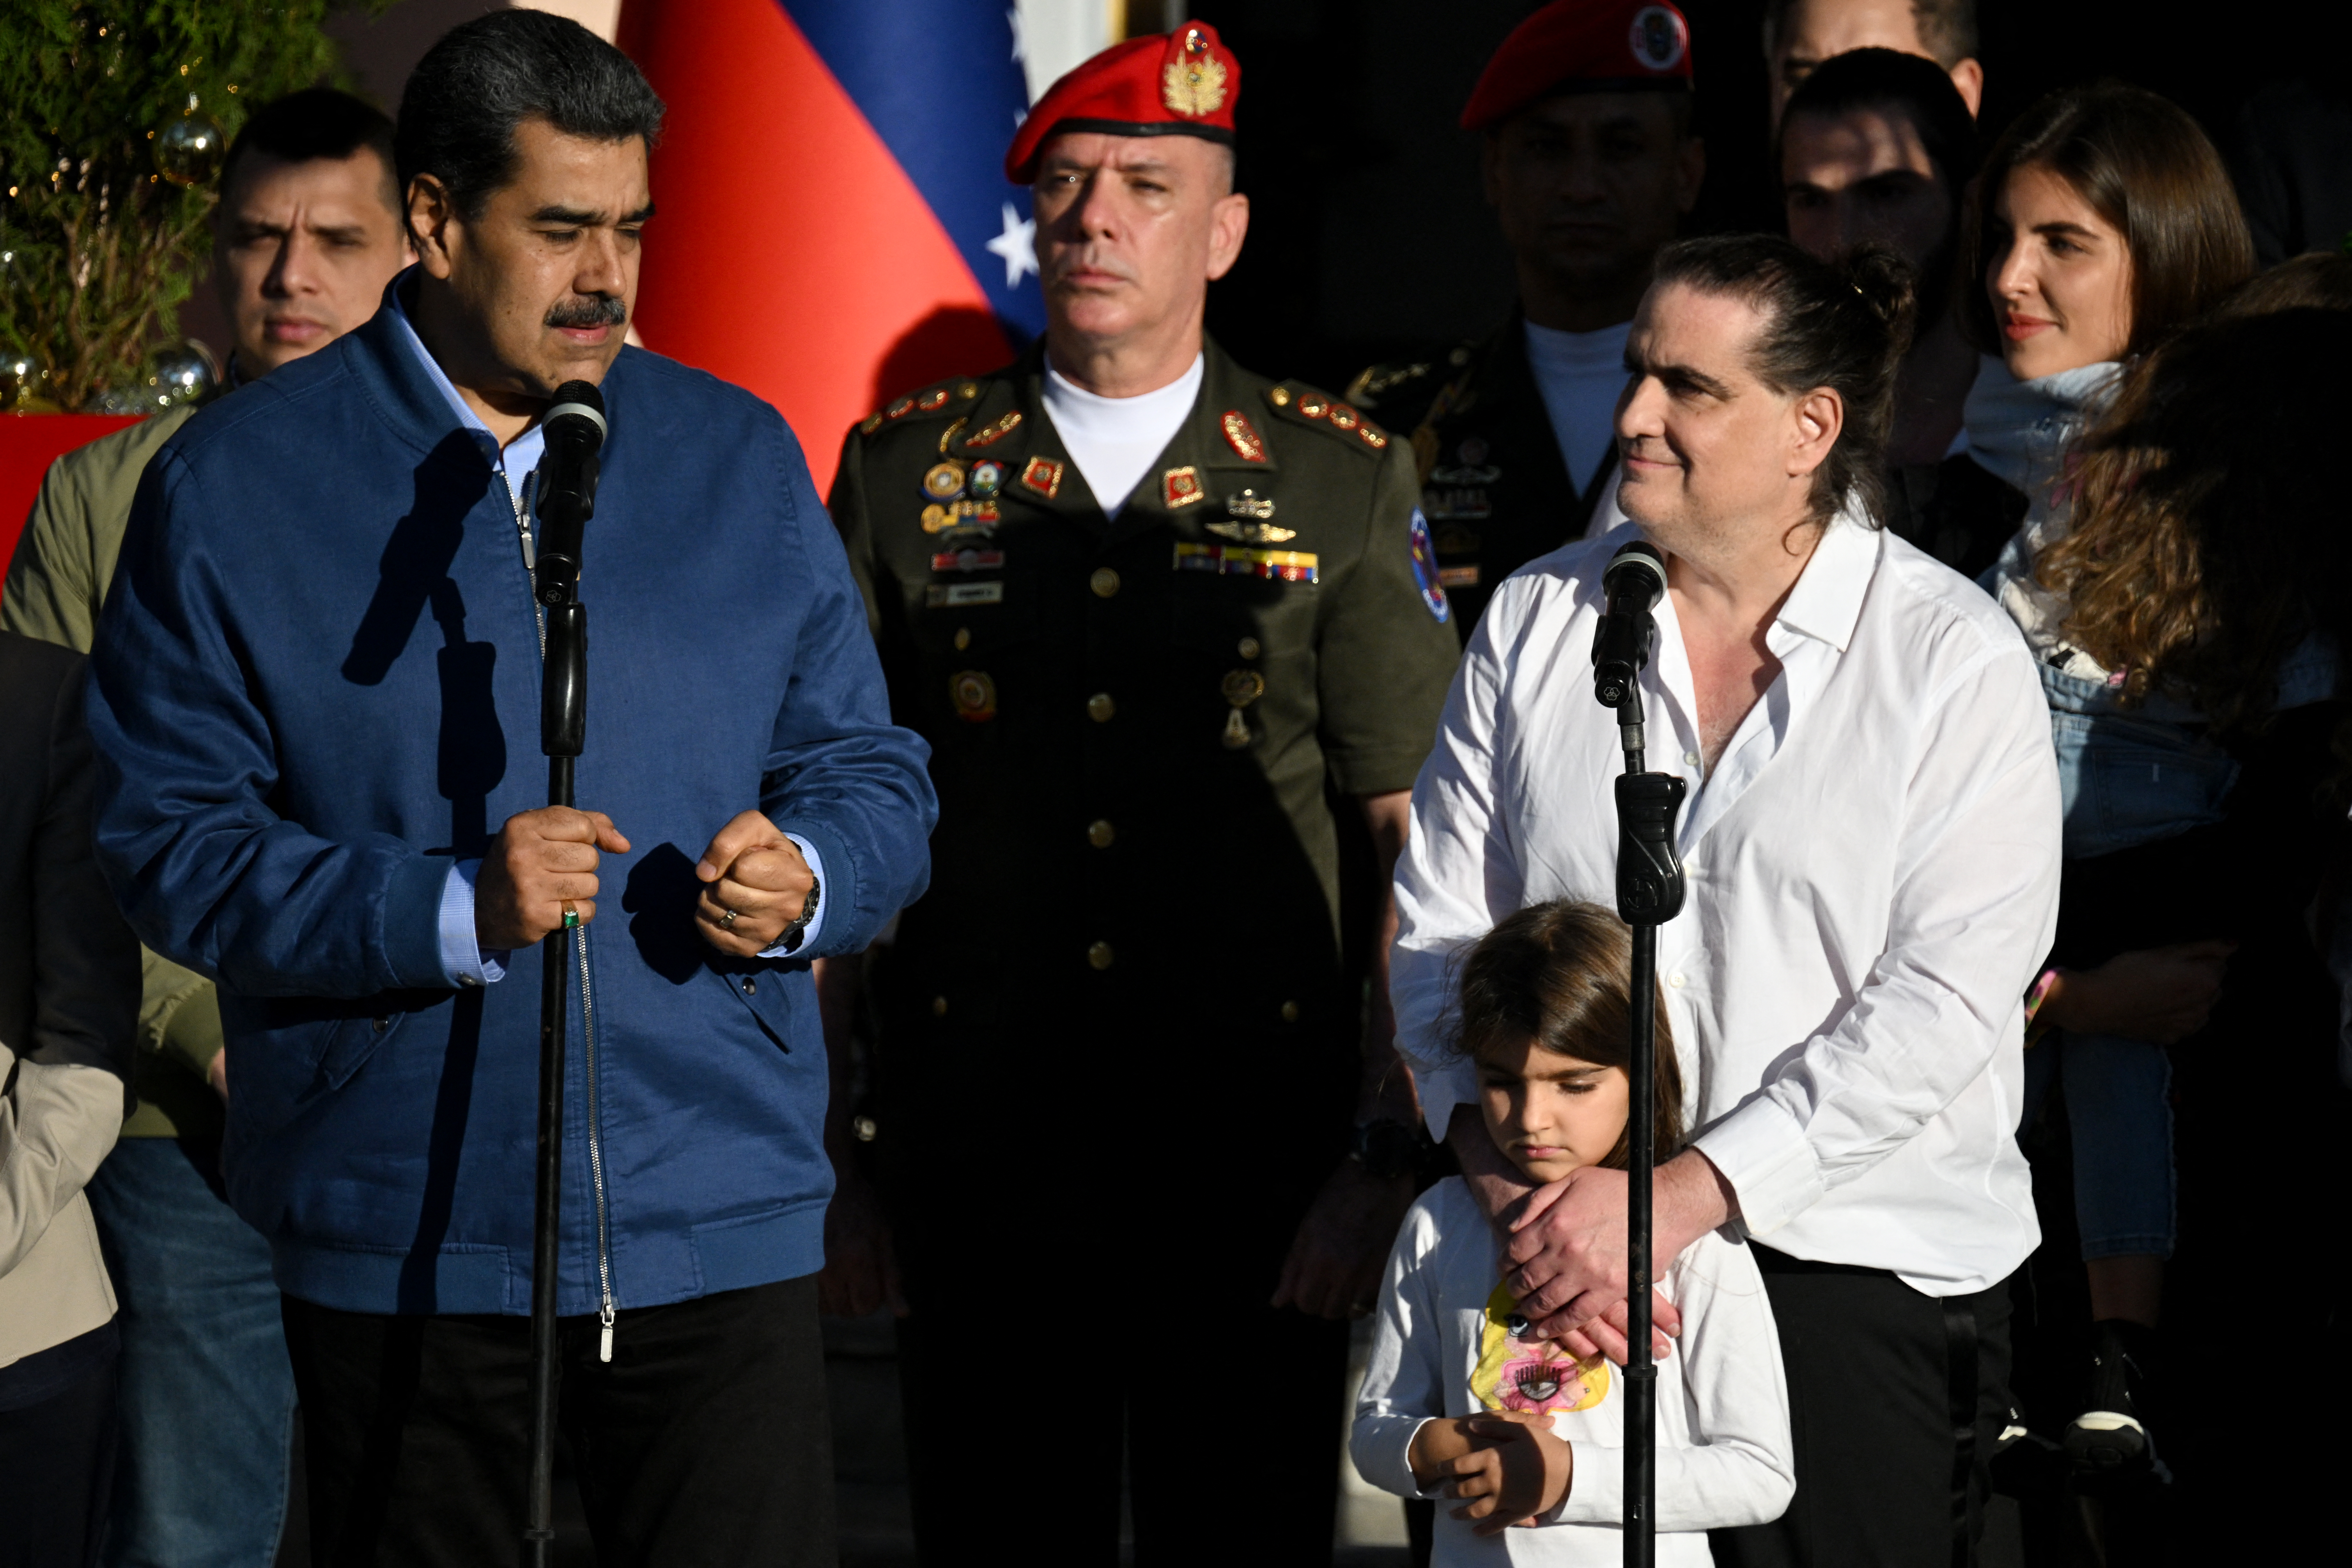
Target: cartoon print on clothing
<point>1517,1370</point>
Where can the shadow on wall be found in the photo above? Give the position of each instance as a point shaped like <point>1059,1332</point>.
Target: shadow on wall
<point>954,339</point>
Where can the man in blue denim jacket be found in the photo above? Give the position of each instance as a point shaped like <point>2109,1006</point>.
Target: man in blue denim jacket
<point>317,703</point>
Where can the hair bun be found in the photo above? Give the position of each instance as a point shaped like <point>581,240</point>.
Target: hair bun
<point>1889,290</point>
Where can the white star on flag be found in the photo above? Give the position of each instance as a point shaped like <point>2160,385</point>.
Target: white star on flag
<point>1017,245</point>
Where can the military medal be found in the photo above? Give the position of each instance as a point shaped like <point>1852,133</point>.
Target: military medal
<point>1181,487</point>
<point>938,519</point>
<point>974,696</point>
<point>1043,474</point>
<point>968,561</point>
<point>987,478</point>
<point>1242,436</point>
<point>944,482</point>
<point>1237,561</point>
<point>989,434</point>
<point>1241,688</point>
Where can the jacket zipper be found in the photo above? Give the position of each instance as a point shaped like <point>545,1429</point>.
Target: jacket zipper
<point>587,992</point>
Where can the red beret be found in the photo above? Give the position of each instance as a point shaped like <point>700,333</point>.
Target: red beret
<point>1605,43</point>
<point>1180,83</point>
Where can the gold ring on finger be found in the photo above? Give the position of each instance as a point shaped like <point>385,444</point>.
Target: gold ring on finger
<point>727,920</point>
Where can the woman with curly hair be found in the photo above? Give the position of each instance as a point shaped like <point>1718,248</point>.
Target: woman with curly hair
<point>2189,627</point>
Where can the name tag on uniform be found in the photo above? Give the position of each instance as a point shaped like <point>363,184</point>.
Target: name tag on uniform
<point>1236,560</point>
<point>949,595</point>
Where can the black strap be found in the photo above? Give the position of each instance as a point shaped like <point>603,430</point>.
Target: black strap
<point>1960,1362</point>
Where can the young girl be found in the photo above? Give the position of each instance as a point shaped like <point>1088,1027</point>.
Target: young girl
<point>1460,1403</point>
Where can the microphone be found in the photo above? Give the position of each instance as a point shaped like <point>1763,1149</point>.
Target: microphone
<point>1630,586</point>
<point>566,497</point>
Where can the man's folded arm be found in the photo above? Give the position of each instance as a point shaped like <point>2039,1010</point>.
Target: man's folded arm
<point>208,874</point>
<point>1975,904</point>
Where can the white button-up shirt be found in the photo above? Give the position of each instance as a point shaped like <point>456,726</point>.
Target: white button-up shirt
<point>1872,875</point>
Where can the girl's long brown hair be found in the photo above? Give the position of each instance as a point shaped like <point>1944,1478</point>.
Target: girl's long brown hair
<point>2211,532</point>
<point>1562,974</point>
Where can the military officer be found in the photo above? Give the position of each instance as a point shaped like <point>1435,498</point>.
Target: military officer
<point>1590,163</point>
<point>1145,1136</point>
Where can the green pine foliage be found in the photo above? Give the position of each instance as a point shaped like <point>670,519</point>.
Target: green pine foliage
<point>97,248</point>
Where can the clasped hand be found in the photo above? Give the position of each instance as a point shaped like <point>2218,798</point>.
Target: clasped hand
<point>542,859</point>
<point>1506,1466</point>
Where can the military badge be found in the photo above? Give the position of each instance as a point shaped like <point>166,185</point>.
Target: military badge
<point>974,696</point>
<point>899,409</point>
<point>1043,474</point>
<point>1371,437</point>
<point>938,519</point>
<point>976,514</point>
<point>1457,576</point>
<point>989,434</point>
<point>968,561</point>
<point>1235,561</point>
<point>954,429</point>
<point>1657,38</point>
<point>1252,533</point>
<point>950,596</point>
<point>1242,436</point>
<point>944,482</point>
<point>1424,570</point>
<point>1313,407</point>
<point>1344,418</point>
<point>987,478</point>
<point>1180,487</point>
<point>968,391</point>
<point>1193,84</point>
<point>935,398</point>
<point>1249,503</point>
<point>870,423</point>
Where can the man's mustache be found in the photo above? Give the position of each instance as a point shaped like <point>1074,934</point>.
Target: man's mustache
<point>589,311</point>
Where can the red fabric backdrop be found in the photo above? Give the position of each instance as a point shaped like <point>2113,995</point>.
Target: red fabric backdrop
<point>29,443</point>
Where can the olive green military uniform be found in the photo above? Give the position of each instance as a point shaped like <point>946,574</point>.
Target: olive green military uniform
<point>1495,487</point>
<point>1119,1038</point>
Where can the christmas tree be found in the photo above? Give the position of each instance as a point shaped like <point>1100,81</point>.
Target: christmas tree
<point>114,115</point>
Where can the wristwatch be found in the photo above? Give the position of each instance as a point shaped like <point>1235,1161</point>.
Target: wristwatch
<point>789,938</point>
<point>1388,1147</point>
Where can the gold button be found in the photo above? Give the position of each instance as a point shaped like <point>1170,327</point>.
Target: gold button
<point>939,1007</point>
<point>1100,708</point>
<point>1279,397</point>
<point>969,390</point>
<point>1100,833</point>
<point>1105,581</point>
<point>963,638</point>
<point>1290,1012</point>
<point>1099,955</point>
<point>1249,648</point>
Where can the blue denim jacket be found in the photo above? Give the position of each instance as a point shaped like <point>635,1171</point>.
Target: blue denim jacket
<point>2126,778</point>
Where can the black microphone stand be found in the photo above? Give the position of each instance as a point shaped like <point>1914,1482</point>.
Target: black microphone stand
<point>564,503</point>
<point>1649,894</point>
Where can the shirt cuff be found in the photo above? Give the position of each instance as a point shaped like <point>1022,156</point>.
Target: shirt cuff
<point>1442,1084</point>
<point>808,933</point>
<point>1381,1451</point>
<point>1763,1154</point>
<point>1596,1486</point>
<point>463,958</point>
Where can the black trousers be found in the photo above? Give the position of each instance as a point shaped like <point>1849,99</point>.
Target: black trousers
<point>1895,1400</point>
<point>56,1466</point>
<point>704,1441</point>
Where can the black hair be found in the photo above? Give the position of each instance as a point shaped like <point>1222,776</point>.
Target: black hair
<point>316,122</point>
<point>459,111</point>
<point>1560,974</point>
<point>1871,78</point>
<point>1947,28</point>
<point>1843,325</point>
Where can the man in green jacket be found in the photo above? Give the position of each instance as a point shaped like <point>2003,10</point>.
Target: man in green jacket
<point>305,237</point>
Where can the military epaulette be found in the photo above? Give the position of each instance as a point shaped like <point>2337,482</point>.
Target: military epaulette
<point>1321,411</point>
<point>936,398</point>
<point>1376,382</point>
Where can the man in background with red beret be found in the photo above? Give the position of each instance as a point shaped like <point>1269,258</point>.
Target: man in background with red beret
<point>1590,163</point>
<point>1142,1129</point>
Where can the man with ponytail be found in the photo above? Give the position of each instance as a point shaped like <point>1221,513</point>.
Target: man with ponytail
<point>1872,847</point>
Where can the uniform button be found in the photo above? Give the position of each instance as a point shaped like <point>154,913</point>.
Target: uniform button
<point>863,1128</point>
<point>963,638</point>
<point>1676,981</point>
<point>1100,708</point>
<point>1249,648</point>
<point>1105,581</point>
<point>939,1007</point>
<point>1099,834</point>
<point>1100,956</point>
<point>1290,1012</point>
<point>382,1025</point>
<point>1691,758</point>
<point>751,986</point>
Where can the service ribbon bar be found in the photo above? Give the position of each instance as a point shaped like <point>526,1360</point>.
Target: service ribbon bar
<point>1237,561</point>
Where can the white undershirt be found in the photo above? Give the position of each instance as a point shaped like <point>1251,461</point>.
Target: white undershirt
<point>1580,375</point>
<point>1114,440</point>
